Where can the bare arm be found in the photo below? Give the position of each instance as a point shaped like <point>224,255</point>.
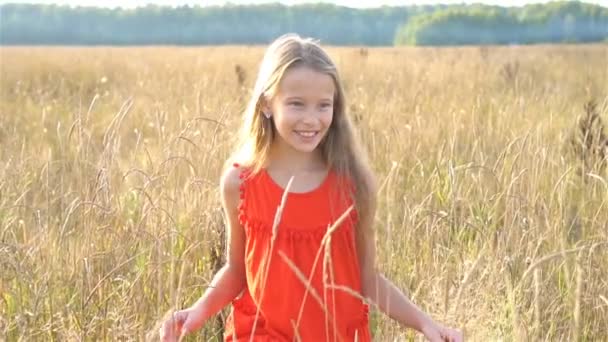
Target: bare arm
<point>230,279</point>
<point>384,293</point>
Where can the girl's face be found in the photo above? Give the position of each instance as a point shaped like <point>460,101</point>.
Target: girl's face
<point>302,108</point>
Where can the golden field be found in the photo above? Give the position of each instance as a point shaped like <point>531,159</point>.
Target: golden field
<point>493,215</point>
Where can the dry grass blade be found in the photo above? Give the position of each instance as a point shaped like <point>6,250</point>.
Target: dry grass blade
<point>275,233</point>
<point>337,224</point>
<point>309,288</point>
<point>467,278</point>
<point>296,332</point>
<point>559,254</point>
<point>101,281</point>
<point>307,284</point>
<point>351,292</point>
<point>604,299</point>
<point>326,236</point>
<point>88,139</point>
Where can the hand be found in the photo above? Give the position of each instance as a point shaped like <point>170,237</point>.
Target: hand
<point>179,324</point>
<point>438,333</point>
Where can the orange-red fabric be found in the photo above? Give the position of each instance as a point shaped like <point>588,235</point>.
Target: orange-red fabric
<point>331,309</point>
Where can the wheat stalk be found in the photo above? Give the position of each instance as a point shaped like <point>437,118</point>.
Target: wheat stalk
<point>330,230</point>
<point>275,233</point>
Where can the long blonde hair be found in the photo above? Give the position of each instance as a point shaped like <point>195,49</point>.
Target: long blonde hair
<point>340,149</point>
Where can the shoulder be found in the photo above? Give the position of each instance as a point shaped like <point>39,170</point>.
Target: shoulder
<point>231,177</point>
<point>230,183</point>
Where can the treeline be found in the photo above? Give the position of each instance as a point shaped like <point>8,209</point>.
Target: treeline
<point>259,24</point>
<point>550,23</point>
<point>230,24</point>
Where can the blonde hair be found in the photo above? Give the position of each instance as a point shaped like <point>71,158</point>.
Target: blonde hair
<point>340,149</point>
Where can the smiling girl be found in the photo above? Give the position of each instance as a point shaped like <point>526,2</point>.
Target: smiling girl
<point>310,275</point>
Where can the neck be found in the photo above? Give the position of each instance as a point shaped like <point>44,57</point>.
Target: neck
<point>283,157</point>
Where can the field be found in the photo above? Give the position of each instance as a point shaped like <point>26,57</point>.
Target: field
<point>493,215</point>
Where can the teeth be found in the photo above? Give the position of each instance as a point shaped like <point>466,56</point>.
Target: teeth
<point>307,134</point>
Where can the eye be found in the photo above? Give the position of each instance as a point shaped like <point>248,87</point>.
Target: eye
<point>295,103</point>
<point>326,105</point>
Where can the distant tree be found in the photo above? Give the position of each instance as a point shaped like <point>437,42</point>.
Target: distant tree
<point>259,24</point>
<point>478,24</point>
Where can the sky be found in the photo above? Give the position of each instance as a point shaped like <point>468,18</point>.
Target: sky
<point>351,3</point>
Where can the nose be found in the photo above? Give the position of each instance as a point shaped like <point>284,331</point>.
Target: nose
<point>311,117</point>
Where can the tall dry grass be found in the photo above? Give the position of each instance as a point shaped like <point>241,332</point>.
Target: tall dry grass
<point>494,214</point>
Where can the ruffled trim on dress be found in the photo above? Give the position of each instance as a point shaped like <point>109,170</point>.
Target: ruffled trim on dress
<point>255,225</point>
<point>246,308</point>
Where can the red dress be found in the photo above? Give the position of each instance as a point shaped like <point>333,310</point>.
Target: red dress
<point>329,312</point>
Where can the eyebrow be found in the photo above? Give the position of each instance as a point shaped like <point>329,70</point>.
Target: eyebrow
<point>329,99</point>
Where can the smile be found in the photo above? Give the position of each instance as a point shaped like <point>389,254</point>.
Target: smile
<point>307,134</point>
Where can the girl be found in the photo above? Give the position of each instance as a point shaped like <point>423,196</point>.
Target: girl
<point>303,271</point>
